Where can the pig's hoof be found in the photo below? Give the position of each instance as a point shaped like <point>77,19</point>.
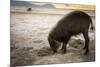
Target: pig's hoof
<point>64,52</point>
<point>86,52</point>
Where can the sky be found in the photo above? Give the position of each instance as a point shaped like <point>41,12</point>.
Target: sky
<point>88,2</point>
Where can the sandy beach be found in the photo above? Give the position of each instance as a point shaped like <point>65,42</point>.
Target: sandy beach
<point>29,44</point>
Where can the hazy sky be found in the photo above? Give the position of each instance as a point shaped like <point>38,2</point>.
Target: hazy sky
<point>90,2</point>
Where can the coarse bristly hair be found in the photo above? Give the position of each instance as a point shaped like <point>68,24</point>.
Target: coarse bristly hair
<point>71,24</point>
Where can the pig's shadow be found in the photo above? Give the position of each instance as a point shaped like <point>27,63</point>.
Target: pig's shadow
<point>45,51</point>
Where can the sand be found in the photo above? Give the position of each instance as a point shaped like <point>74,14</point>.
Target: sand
<point>29,44</point>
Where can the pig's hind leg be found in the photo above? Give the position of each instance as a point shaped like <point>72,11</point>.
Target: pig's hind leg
<point>86,47</point>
